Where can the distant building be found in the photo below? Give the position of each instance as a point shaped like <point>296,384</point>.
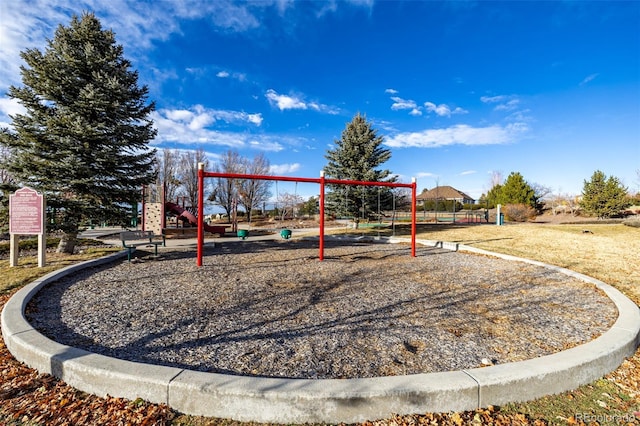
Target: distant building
<point>444,193</point>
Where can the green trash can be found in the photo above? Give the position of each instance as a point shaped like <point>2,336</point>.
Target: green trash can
<point>243,233</point>
<point>285,233</point>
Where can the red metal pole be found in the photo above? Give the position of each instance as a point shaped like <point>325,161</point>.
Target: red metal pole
<point>322,181</point>
<point>200,213</point>
<point>143,207</point>
<point>162,209</point>
<point>414,191</point>
<point>321,254</point>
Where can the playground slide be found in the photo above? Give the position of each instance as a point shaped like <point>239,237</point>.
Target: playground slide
<point>190,217</point>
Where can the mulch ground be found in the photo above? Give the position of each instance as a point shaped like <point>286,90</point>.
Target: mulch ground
<point>270,309</point>
<point>28,397</point>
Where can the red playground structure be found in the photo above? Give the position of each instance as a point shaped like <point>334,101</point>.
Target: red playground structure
<point>322,181</point>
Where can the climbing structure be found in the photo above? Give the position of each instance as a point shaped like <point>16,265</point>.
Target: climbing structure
<point>152,209</point>
<point>153,213</point>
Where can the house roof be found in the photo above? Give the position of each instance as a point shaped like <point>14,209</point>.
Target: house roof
<point>443,193</point>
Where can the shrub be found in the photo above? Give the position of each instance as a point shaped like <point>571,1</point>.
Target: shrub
<point>519,212</point>
<point>473,206</point>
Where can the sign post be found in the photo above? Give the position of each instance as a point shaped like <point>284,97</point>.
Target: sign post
<point>27,217</point>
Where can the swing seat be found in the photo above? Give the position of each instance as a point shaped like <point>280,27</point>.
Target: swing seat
<point>285,233</point>
<point>243,233</point>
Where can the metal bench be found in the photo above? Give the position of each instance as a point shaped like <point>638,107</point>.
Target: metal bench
<point>132,239</point>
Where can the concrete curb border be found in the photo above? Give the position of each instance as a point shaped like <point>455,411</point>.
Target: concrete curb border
<point>328,400</point>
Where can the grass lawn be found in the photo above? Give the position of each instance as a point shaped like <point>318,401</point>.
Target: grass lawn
<point>608,252</point>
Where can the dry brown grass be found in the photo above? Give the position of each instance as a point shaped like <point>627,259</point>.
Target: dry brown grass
<point>27,269</point>
<point>608,252</point>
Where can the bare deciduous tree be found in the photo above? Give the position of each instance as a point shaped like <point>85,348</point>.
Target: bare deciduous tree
<point>225,191</point>
<point>168,164</point>
<point>188,173</point>
<point>541,191</point>
<point>495,179</point>
<point>563,203</point>
<point>252,193</point>
<point>289,203</point>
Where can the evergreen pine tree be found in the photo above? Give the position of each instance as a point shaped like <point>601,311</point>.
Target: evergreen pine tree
<point>517,191</point>
<point>83,140</point>
<point>494,196</point>
<point>604,197</point>
<point>357,156</point>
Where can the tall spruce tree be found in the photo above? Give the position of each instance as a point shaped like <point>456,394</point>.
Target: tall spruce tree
<point>83,140</point>
<point>357,156</point>
<point>604,197</point>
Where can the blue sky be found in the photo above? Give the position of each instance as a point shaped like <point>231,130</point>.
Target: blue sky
<point>459,90</point>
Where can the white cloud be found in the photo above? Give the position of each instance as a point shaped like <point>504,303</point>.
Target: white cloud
<point>284,169</point>
<point>236,17</point>
<point>194,126</point>
<point>504,102</point>
<point>199,117</point>
<point>206,71</point>
<point>265,144</point>
<point>443,110</point>
<point>178,114</point>
<point>461,134</point>
<point>493,99</point>
<point>172,133</point>
<point>327,7</point>
<point>425,175</point>
<point>391,91</point>
<point>201,120</point>
<point>8,107</point>
<point>385,125</point>
<point>519,116</point>
<point>255,119</point>
<point>400,104</point>
<point>138,25</point>
<point>178,132</point>
<point>285,102</point>
<point>24,25</point>
<point>468,172</point>
<point>508,106</point>
<point>589,78</point>
<point>226,74</point>
<point>11,106</point>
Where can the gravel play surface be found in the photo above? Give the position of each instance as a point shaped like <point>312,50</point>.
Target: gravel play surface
<point>270,308</point>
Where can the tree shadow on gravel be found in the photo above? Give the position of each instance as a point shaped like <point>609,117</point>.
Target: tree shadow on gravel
<point>281,319</point>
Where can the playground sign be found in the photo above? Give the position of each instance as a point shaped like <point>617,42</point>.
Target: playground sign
<point>26,217</point>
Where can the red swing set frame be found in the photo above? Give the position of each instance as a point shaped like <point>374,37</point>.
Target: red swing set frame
<point>322,181</point>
